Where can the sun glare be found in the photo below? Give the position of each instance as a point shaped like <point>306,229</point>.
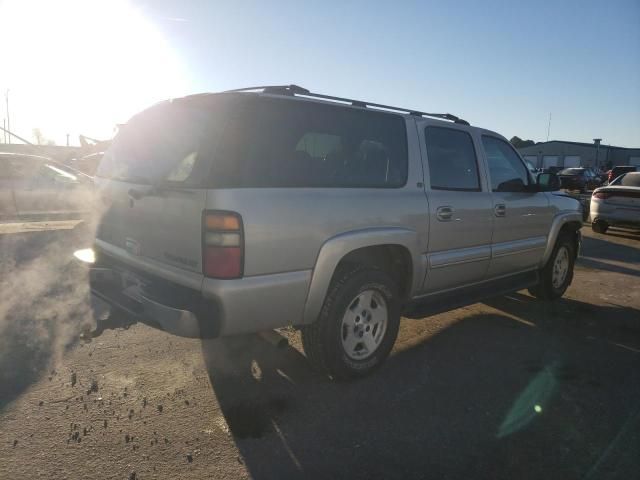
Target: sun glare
<point>81,66</point>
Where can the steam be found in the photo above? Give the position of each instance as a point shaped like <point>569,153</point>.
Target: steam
<point>44,297</point>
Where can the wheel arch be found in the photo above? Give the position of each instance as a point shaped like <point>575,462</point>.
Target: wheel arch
<point>568,222</point>
<point>392,249</point>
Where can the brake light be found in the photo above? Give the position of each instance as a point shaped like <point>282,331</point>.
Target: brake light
<point>222,245</point>
<point>601,195</point>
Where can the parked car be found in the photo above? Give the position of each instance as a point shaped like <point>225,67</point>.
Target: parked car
<point>87,164</point>
<point>617,204</point>
<point>552,169</point>
<point>615,172</point>
<point>38,187</point>
<point>273,207</point>
<point>581,179</point>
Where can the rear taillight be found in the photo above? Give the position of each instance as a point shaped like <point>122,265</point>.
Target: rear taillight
<point>601,195</point>
<point>222,244</point>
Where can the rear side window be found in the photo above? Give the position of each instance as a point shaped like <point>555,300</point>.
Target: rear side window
<point>288,143</point>
<point>452,159</point>
<point>508,173</point>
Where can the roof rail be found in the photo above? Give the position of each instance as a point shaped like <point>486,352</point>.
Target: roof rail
<point>295,90</point>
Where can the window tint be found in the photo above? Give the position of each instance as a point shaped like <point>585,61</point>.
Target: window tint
<point>285,143</point>
<point>319,145</point>
<point>452,159</point>
<point>508,173</point>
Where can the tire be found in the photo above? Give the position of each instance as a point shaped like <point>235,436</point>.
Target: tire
<point>342,322</point>
<point>553,283</point>
<point>599,226</point>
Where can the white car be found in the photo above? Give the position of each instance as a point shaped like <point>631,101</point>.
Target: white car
<point>617,204</point>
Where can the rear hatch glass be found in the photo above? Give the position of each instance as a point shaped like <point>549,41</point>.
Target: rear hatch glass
<point>159,144</point>
<point>151,179</point>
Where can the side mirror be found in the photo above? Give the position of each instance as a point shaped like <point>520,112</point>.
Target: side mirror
<point>512,185</point>
<point>548,182</point>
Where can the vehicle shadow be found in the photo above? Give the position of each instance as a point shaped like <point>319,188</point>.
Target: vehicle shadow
<point>517,393</point>
<point>626,234</point>
<point>597,249</point>
<point>596,265</point>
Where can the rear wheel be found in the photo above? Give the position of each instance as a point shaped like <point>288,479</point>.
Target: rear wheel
<point>357,326</point>
<point>557,274</point>
<point>599,226</point>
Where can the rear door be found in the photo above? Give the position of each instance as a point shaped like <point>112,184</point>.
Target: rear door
<point>522,217</point>
<point>460,208</point>
<point>150,180</point>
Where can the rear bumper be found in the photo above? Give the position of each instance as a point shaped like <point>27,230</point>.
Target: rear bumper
<point>615,215</point>
<point>218,308</point>
<point>173,313</point>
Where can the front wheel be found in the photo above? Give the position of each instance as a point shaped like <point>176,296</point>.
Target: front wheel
<point>357,326</point>
<point>557,274</point>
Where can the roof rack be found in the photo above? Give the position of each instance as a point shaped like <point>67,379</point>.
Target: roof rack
<point>295,90</point>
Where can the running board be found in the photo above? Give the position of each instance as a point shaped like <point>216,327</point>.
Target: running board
<point>461,297</point>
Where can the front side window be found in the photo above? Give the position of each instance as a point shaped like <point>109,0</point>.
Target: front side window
<point>289,143</point>
<point>452,159</point>
<point>508,173</point>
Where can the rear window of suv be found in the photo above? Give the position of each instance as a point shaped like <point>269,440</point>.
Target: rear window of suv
<point>292,143</point>
<point>166,143</point>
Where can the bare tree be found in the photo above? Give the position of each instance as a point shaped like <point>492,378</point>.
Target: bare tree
<point>40,138</point>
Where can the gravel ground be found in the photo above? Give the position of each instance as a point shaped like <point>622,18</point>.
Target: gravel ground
<point>509,388</point>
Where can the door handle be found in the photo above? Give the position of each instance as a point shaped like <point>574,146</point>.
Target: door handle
<point>444,214</point>
<point>500,210</point>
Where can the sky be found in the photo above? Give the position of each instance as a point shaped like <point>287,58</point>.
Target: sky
<point>82,66</point>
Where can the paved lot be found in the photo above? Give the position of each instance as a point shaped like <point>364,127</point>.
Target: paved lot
<point>510,388</point>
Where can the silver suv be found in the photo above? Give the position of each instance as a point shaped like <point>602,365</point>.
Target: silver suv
<point>254,209</point>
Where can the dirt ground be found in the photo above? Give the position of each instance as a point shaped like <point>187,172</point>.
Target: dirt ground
<point>509,388</point>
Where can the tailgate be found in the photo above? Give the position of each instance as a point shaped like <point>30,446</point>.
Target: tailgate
<point>164,225</point>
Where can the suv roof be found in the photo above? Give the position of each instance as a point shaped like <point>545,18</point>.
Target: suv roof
<point>304,94</point>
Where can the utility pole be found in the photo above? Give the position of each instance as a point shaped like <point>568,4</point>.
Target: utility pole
<point>4,134</point>
<point>596,142</point>
<point>549,127</point>
<point>6,100</point>
<point>67,139</point>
